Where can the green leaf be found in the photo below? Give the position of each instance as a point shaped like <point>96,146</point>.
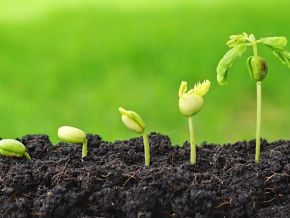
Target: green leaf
<point>241,49</point>
<point>223,79</point>
<point>282,55</point>
<point>237,39</point>
<point>252,38</point>
<point>226,62</point>
<point>276,42</point>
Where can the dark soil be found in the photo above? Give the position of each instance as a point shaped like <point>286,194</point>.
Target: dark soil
<point>113,181</point>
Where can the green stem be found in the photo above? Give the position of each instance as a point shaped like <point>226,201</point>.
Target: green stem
<point>26,155</point>
<point>192,141</point>
<point>85,148</point>
<point>258,130</point>
<point>146,149</point>
<point>255,49</point>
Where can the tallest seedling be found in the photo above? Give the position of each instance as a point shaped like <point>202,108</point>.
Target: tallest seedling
<point>257,66</point>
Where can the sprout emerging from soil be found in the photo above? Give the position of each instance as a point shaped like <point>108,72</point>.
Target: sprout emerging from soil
<point>190,104</point>
<point>134,122</point>
<point>74,136</point>
<point>256,65</point>
<point>13,148</point>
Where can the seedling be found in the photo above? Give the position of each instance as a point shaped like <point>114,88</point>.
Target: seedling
<point>13,148</point>
<point>256,65</point>
<point>190,104</point>
<point>74,136</point>
<point>134,122</point>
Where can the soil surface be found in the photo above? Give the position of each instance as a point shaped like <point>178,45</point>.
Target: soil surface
<point>112,181</point>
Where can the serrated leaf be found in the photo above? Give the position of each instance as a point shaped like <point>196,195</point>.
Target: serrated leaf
<point>201,88</point>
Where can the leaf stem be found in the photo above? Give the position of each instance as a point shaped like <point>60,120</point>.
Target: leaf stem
<point>192,141</point>
<point>146,149</point>
<point>258,129</point>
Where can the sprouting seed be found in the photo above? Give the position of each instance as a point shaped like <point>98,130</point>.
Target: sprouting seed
<point>74,136</point>
<point>134,122</point>
<point>13,148</point>
<point>256,65</point>
<point>190,104</point>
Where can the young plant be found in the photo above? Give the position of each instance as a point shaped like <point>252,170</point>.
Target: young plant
<point>74,136</point>
<point>13,148</point>
<point>190,104</point>
<point>256,65</point>
<point>134,122</point>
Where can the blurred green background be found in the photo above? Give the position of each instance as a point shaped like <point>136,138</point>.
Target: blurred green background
<point>75,62</point>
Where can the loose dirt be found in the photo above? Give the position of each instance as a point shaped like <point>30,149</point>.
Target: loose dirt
<point>112,181</point>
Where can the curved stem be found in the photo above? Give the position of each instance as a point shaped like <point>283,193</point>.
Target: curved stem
<point>192,141</point>
<point>146,149</point>
<point>26,155</point>
<point>85,148</point>
<point>258,129</point>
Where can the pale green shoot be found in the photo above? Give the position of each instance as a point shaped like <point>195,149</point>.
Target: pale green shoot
<point>190,104</point>
<point>74,136</point>
<point>13,148</point>
<point>134,122</point>
<point>256,65</point>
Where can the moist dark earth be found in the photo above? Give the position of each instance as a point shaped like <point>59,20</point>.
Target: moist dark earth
<point>112,181</point>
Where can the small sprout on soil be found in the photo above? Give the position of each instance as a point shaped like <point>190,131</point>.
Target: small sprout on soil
<point>189,104</point>
<point>13,148</point>
<point>134,122</point>
<point>74,136</point>
<point>256,65</point>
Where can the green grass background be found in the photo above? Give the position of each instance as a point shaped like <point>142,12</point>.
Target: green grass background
<point>75,62</point>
